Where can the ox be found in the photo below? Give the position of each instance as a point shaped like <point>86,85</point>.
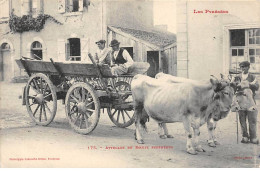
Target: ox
<point>211,124</point>
<point>183,102</point>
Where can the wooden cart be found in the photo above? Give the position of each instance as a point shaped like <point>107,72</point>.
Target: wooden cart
<point>84,88</point>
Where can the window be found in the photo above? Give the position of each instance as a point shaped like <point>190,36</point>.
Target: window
<point>36,50</point>
<point>5,46</point>
<point>32,7</point>
<point>4,9</point>
<point>72,6</point>
<point>254,36</point>
<point>73,49</point>
<point>245,45</point>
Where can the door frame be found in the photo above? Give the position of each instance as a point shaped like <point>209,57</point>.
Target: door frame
<point>226,42</point>
<point>12,54</point>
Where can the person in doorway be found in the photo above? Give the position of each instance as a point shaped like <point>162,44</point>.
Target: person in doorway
<point>120,59</point>
<point>244,115</point>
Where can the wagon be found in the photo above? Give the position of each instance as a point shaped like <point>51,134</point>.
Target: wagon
<point>85,89</point>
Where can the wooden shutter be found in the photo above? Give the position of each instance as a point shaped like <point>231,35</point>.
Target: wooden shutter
<point>25,7</point>
<point>61,6</point>
<point>61,50</point>
<point>84,45</point>
<point>80,5</point>
<point>67,46</point>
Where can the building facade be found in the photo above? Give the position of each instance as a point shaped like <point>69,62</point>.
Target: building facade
<point>70,33</point>
<point>215,36</point>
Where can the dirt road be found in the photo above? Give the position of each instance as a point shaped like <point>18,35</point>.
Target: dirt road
<point>24,144</point>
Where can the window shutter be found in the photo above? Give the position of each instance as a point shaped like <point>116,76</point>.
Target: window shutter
<point>80,5</point>
<point>67,46</point>
<point>61,6</point>
<point>84,45</point>
<point>25,7</point>
<point>61,50</point>
<point>4,9</point>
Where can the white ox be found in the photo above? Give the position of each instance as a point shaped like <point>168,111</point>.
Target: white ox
<point>211,124</point>
<point>183,102</point>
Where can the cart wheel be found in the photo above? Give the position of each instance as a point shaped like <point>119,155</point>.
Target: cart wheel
<point>121,117</point>
<point>41,99</point>
<point>82,108</point>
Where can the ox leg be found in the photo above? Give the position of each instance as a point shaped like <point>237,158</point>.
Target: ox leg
<point>166,131</point>
<point>161,131</point>
<point>187,127</point>
<point>211,124</point>
<point>138,126</point>
<point>196,129</point>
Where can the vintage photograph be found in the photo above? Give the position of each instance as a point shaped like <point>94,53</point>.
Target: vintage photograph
<point>129,83</point>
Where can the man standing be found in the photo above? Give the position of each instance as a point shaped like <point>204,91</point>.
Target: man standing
<point>102,56</point>
<point>244,115</point>
<point>120,59</point>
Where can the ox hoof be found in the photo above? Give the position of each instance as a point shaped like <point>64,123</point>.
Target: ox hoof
<point>211,144</point>
<point>199,149</point>
<point>163,136</point>
<point>216,143</point>
<point>169,136</point>
<point>140,141</point>
<point>135,136</point>
<point>192,151</point>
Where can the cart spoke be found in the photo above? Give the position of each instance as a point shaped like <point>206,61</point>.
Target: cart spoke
<point>36,85</point>
<point>32,104</point>
<point>127,114</point>
<point>36,91</point>
<point>44,89</point>
<point>88,115</point>
<point>81,121</point>
<point>36,110</point>
<point>83,94</point>
<point>118,114</point>
<point>41,87</point>
<point>46,96</point>
<point>114,113</point>
<point>47,108</point>
<point>123,115</point>
<point>31,97</point>
<point>40,119</point>
<point>90,110</point>
<point>86,121</point>
<point>44,112</point>
<point>76,119</point>
<point>90,104</point>
<point>72,96</point>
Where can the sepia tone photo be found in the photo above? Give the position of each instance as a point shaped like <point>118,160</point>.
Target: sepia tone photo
<point>129,83</point>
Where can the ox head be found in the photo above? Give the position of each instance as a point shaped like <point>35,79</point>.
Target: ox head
<point>222,98</point>
<point>243,99</point>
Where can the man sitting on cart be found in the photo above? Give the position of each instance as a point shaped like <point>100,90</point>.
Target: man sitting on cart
<point>120,59</point>
<point>102,56</point>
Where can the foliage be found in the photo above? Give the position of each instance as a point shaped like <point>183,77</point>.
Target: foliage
<point>27,22</point>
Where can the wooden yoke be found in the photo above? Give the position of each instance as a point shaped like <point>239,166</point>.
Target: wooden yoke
<point>99,72</point>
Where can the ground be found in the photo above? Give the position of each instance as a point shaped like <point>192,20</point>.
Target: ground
<point>24,144</point>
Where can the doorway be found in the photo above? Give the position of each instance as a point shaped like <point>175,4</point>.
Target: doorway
<point>5,63</point>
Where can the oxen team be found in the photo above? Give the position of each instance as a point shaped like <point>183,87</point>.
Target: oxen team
<point>169,99</point>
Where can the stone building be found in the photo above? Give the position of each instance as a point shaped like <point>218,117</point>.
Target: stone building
<point>69,33</point>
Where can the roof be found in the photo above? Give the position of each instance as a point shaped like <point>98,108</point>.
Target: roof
<point>154,37</point>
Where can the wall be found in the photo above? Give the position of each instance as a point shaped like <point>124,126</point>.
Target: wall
<point>201,34</point>
<point>130,14</point>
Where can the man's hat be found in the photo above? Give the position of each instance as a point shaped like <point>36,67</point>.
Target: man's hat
<point>114,43</point>
<point>244,64</point>
<point>101,41</point>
